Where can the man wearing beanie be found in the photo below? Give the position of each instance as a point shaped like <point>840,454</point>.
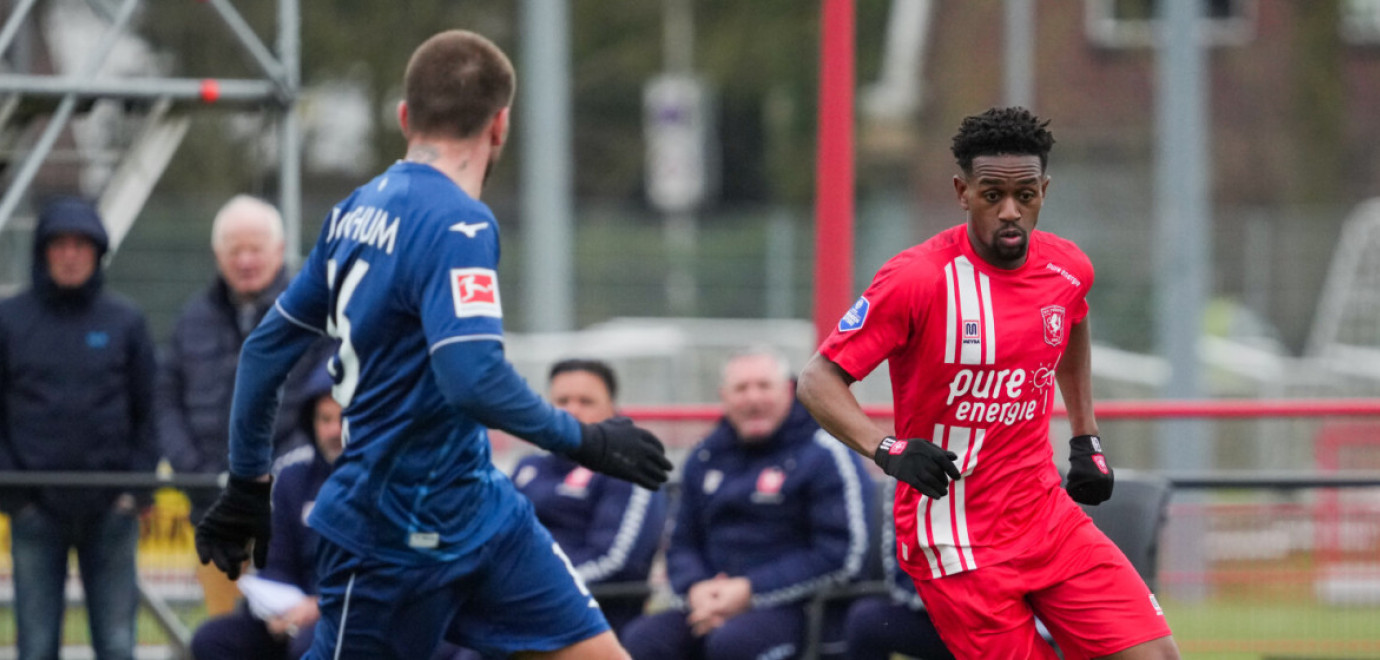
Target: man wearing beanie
<point>76,394</point>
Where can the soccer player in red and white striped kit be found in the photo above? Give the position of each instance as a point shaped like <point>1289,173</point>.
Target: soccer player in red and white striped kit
<point>979,323</point>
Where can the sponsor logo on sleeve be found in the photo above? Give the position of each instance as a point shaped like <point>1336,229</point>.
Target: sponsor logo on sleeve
<point>855,316</point>
<point>475,291</point>
<point>1053,322</point>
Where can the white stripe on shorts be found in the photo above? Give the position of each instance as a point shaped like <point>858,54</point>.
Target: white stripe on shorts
<point>344,616</point>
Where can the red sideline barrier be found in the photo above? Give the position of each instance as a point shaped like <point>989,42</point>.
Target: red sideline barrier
<point>1145,409</point>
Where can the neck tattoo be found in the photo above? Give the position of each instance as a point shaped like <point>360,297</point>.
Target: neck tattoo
<point>423,154</point>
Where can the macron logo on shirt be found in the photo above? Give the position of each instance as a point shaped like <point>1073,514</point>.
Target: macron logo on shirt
<point>475,292</point>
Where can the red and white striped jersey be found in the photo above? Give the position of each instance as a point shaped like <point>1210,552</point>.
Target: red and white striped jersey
<point>972,351</point>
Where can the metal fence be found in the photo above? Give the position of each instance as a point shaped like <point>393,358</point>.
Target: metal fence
<point>1253,563</point>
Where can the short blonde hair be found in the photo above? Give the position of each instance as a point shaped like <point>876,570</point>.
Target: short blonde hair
<point>246,206</point>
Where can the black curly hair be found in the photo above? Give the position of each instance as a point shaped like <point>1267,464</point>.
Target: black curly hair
<point>1010,131</point>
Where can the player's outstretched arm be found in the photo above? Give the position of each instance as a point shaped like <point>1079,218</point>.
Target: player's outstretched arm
<point>240,521</point>
<point>267,356</point>
<point>1090,477</point>
<point>823,389</point>
<point>475,377</point>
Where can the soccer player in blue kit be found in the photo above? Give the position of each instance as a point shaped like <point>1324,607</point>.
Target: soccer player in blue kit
<point>421,537</point>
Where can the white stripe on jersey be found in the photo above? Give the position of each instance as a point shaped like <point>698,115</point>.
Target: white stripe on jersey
<point>989,336</point>
<point>974,310</point>
<point>296,321</point>
<point>463,338</point>
<point>941,523</point>
<point>922,528</point>
<point>961,442</point>
<point>950,318</point>
<point>943,534</point>
<point>970,326</point>
<point>969,311</point>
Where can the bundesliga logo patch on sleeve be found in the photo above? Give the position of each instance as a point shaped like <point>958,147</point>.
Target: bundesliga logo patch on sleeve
<point>855,316</point>
<point>475,291</point>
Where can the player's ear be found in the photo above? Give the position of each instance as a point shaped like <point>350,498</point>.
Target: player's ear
<point>960,189</point>
<point>402,116</point>
<point>1044,187</point>
<point>498,130</point>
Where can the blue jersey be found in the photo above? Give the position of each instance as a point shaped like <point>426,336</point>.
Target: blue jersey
<point>404,266</point>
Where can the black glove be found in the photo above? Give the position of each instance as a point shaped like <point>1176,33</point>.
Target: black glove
<point>243,514</point>
<point>924,465</point>
<point>617,448</point>
<point>1090,477</point>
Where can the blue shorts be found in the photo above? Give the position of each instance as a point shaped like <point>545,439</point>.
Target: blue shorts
<point>518,592</point>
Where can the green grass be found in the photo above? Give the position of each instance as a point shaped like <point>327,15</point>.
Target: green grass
<point>1245,630</point>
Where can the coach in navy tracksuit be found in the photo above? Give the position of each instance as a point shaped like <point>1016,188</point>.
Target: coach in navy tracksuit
<point>292,548</point>
<point>772,510</point>
<point>608,528</point>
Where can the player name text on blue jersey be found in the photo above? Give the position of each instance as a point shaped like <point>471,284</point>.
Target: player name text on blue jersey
<point>367,225</point>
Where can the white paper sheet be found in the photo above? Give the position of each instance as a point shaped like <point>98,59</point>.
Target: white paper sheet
<point>268,598</point>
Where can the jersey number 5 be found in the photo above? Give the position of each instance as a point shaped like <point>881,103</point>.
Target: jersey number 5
<point>345,366</point>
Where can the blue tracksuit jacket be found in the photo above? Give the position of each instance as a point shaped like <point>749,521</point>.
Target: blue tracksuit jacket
<point>292,548</point>
<point>608,528</point>
<point>790,513</point>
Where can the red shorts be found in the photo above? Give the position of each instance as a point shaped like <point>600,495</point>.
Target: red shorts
<point>1077,582</point>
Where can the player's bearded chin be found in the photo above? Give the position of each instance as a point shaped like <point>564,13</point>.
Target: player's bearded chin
<point>1008,251</point>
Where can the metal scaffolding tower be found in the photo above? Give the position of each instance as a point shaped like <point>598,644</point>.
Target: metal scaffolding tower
<point>162,103</point>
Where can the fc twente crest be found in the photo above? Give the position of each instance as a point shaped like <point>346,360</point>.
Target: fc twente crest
<point>1053,317</point>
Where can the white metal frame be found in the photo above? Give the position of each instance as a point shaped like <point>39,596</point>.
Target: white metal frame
<point>277,91</point>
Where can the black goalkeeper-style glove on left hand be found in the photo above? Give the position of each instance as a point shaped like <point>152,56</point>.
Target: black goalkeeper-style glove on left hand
<point>1090,477</point>
<point>924,465</point>
<point>243,514</point>
<point>617,448</point>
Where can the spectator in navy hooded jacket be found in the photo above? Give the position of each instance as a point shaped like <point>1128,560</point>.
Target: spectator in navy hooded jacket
<point>608,528</point>
<point>771,511</point>
<point>76,394</point>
